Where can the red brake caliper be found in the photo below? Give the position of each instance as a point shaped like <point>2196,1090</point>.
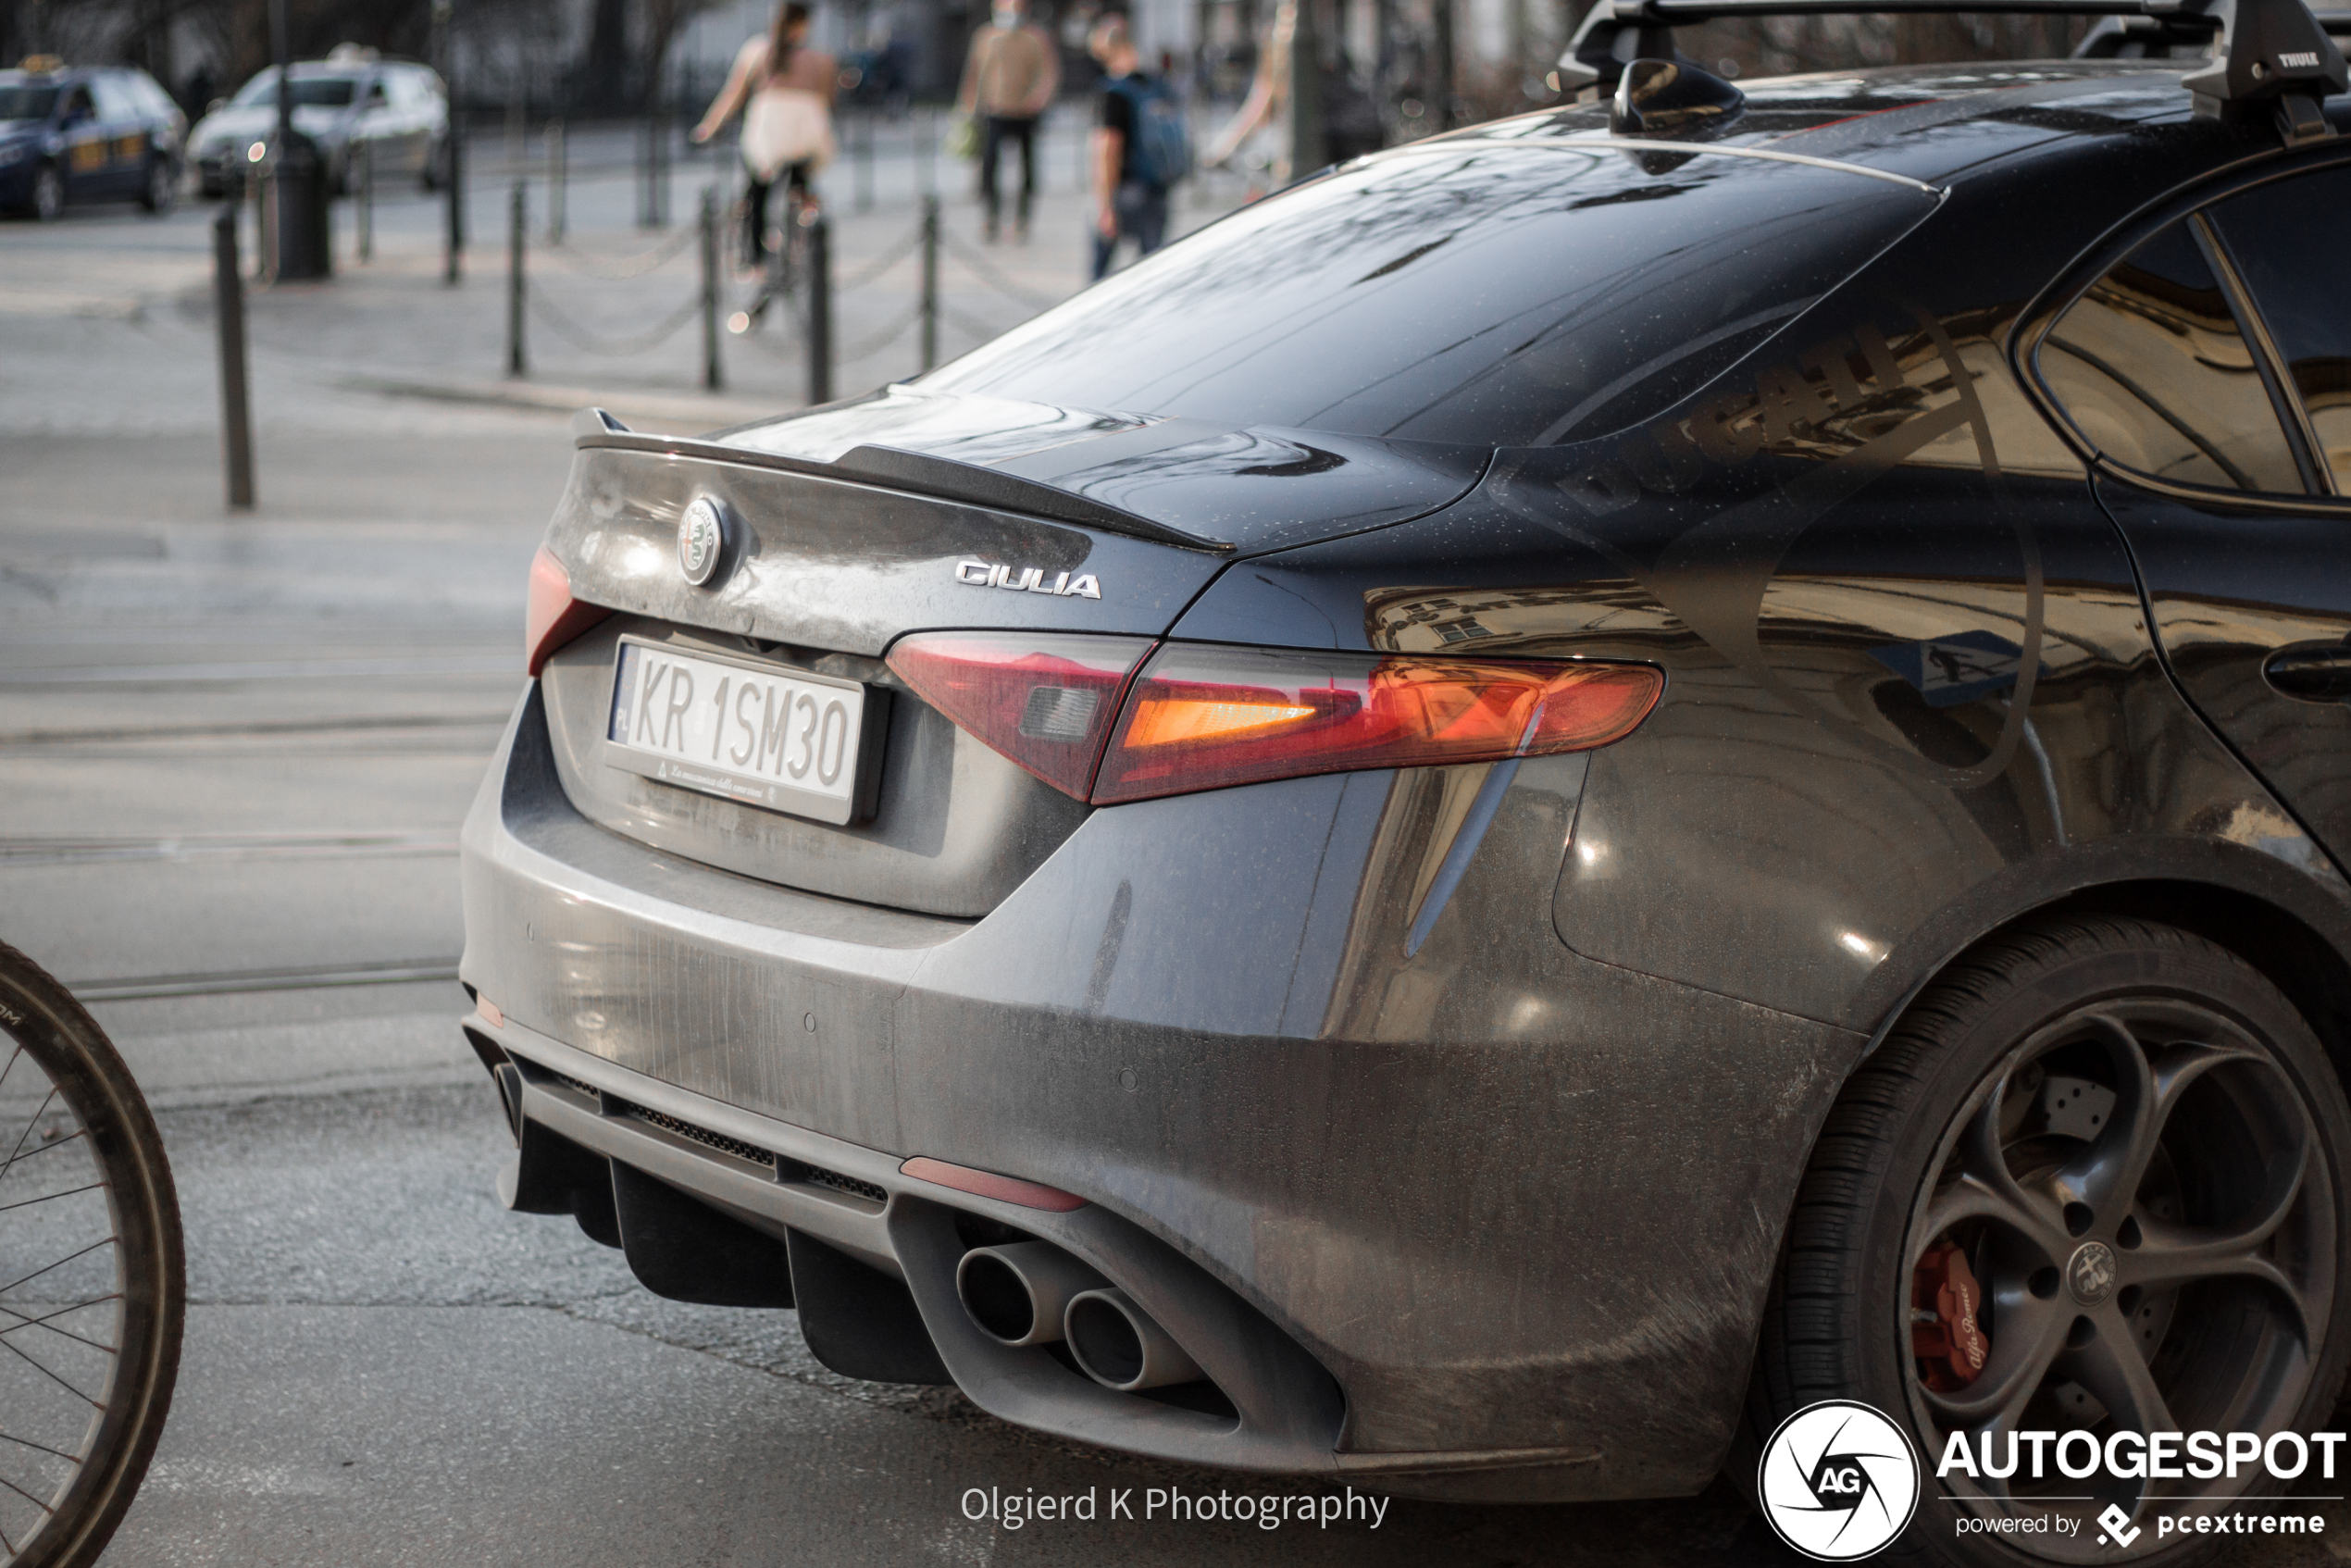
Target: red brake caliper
<point>1944,1334</point>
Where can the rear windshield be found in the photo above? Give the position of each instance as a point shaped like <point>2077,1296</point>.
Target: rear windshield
<point>1486,293</point>
<point>309,92</point>
<point>17,102</point>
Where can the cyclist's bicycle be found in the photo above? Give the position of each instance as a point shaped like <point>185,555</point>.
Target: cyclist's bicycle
<point>93,1278</point>
<point>776,260</point>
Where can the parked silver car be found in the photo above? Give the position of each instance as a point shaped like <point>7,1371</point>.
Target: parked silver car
<point>397,110</point>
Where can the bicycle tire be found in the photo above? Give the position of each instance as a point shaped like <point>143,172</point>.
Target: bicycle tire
<point>44,1030</point>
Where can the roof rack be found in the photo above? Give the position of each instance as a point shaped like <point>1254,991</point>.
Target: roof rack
<point>2274,53</point>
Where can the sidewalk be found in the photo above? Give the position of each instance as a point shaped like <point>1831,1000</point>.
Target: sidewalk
<point>107,316</point>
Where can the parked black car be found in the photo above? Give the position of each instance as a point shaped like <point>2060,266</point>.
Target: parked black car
<point>1519,811</point>
<point>73,135</point>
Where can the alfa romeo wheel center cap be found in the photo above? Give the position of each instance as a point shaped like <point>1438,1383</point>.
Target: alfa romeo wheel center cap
<point>2090,1274</point>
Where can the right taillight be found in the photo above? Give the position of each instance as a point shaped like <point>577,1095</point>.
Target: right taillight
<point>1201,717</point>
<point>1046,702</point>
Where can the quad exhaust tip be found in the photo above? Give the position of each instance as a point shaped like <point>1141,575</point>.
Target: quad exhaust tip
<point>1017,1294</point>
<point>1120,1347</point>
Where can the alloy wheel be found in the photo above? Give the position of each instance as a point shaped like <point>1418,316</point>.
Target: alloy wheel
<point>2137,1209</point>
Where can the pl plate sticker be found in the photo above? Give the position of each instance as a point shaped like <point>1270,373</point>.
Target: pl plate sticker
<point>1838,1481</point>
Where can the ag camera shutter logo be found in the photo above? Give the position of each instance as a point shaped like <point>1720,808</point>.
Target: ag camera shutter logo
<point>1838,1481</point>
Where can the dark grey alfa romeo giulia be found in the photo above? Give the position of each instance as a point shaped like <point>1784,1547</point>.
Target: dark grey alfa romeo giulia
<point>1564,791</point>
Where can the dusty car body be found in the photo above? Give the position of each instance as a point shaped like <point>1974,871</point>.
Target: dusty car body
<point>1448,1117</point>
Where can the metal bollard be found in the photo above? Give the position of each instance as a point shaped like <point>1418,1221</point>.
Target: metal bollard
<point>558,175</point>
<point>228,306</point>
<point>820,308</point>
<point>930,281</point>
<point>518,233</point>
<point>456,172</point>
<point>713,375</point>
<point>366,201</point>
<point>864,145</point>
<point>661,167</point>
<point>929,152</point>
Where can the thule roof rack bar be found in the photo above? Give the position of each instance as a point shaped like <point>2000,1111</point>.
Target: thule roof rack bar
<point>2271,54</point>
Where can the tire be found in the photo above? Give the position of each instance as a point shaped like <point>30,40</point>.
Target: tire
<point>436,159</point>
<point>48,198</point>
<point>2046,1046</point>
<point>63,1085</point>
<point>161,192</point>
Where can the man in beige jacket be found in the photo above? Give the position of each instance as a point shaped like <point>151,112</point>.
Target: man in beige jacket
<point>1009,79</point>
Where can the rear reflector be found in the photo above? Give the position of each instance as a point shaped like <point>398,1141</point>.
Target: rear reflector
<point>554,618</point>
<point>1204,717</point>
<point>1047,702</point>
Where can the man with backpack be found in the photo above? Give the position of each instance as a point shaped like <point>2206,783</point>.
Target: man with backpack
<point>1141,147</point>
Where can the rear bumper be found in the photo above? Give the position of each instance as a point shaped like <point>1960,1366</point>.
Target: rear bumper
<point>1463,1219</point>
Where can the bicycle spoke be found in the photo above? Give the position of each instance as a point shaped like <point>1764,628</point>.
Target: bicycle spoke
<point>27,1496</point>
<point>27,1442</point>
<point>59,1263</point>
<point>45,1321</point>
<point>34,1362</point>
<point>27,1202</point>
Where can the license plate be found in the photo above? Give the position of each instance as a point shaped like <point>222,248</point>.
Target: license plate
<point>787,740</point>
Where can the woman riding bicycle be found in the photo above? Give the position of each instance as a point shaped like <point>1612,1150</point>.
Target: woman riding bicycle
<point>786,93</point>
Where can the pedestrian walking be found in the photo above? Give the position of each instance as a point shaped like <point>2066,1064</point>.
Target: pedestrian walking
<point>785,91</point>
<point>1141,147</point>
<point>1347,117</point>
<point>1009,78</point>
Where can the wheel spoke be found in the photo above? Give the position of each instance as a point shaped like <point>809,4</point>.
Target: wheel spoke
<point>2170,1253</point>
<point>1986,1189</point>
<point>49,1197</point>
<point>2109,1366</point>
<point>34,1362</point>
<point>47,1321</point>
<point>2031,1334</point>
<point>2106,1174</point>
<point>28,1278</point>
<point>2116,1161</point>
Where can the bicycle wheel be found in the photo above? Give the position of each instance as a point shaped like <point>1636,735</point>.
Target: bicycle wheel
<point>92,1279</point>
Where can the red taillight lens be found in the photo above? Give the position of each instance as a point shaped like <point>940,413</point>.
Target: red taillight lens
<point>1201,717</point>
<point>1046,702</point>
<point>554,617</point>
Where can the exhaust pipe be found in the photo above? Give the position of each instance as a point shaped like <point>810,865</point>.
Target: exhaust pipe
<point>1018,1293</point>
<point>1119,1346</point>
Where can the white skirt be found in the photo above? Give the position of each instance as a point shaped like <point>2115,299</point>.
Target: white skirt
<point>784,126</point>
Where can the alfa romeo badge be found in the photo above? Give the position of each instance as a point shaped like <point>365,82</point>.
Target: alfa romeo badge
<point>701,540</point>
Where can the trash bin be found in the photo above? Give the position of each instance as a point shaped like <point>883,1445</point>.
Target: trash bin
<point>295,193</point>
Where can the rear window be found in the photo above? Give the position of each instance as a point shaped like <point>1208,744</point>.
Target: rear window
<point>19,101</point>
<point>309,92</point>
<point>1465,292</point>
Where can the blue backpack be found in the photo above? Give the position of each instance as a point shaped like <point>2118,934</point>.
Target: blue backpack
<point>1162,142</point>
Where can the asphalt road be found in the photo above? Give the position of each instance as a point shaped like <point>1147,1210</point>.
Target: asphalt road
<point>233,757</point>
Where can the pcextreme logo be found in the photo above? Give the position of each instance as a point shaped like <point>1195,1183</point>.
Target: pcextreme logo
<point>1838,1480</point>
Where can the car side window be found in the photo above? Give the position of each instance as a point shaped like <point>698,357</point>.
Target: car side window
<point>78,106</point>
<point>2152,368</point>
<point>114,102</point>
<point>2289,241</point>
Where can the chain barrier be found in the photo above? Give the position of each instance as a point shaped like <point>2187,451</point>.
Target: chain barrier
<point>987,272</point>
<point>963,323</point>
<point>588,340</point>
<point>874,269</point>
<point>635,267</point>
<point>721,237</point>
